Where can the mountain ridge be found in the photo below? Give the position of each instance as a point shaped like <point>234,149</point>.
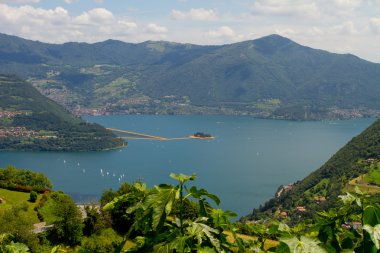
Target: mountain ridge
<point>272,76</point>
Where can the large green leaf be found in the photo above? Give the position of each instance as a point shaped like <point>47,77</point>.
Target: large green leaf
<point>200,193</point>
<point>205,250</point>
<point>220,218</point>
<point>140,186</point>
<point>109,206</point>
<point>348,198</point>
<point>202,232</point>
<point>371,215</point>
<point>179,244</point>
<point>303,245</point>
<point>161,201</point>
<point>162,248</point>
<point>16,248</point>
<point>182,178</point>
<point>374,232</point>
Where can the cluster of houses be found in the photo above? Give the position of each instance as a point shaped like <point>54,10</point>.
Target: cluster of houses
<point>9,114</point>
<point>17,132</point>
<point>302,209</point>
<point>284,189</point>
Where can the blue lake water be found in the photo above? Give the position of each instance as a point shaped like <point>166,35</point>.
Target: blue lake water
<point>244,165</point>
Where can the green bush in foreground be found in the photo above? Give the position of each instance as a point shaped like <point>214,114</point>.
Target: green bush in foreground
<point>178,218</point>
<point>159,229</point>
<point>354,227</point>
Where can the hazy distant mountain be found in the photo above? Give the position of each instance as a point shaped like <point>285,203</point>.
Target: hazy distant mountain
<point>272,76</point>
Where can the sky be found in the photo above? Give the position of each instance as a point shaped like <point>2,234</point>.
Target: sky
<point>339,26</point>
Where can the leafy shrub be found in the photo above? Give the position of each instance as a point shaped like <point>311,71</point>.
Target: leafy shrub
<point>33,196</point>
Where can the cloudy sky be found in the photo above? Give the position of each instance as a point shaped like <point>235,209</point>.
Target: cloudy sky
<point>341,26</point>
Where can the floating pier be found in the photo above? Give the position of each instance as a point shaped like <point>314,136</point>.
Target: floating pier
<point>142,136</point>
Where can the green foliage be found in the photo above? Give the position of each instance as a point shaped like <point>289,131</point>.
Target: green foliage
<point>94,221</point>
<point>23,180</point>
<point>8,246</point>
<point>373,175</point>
<point>163,230</point>
<point>16,222</point>
<point>374,233</point>
<point>106,241</point>
<point>302,245</point>
<point>119,202</point>
<point>33,196</point>
<point>61,211</point>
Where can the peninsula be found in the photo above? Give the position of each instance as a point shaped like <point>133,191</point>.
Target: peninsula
<point>31,122</point>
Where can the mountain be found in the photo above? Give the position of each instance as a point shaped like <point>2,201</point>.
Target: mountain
<point>30,121</point>
<point>355,165</point>
<point>269,77</point>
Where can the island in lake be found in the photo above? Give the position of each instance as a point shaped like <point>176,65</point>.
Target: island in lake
<point>201,135</point>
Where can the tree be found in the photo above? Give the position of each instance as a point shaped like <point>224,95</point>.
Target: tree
<point>16,222</point>
<point>33,196</point>
<point>94,221</point>
<point>127,196</point>
<point>61,211</point>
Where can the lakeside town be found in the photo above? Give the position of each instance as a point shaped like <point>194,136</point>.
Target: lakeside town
<point>17,131</point>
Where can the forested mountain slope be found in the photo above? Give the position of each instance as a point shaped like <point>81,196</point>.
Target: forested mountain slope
<point>354,165</point>
<point>270,77</point>
<point>30,121</point>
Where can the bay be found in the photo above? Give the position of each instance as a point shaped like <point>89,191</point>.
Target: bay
<point>244,165</point>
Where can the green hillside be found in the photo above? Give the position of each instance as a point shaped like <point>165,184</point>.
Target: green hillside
<point>356,164</point>
<point>268,77</point>
<point>30,121</point>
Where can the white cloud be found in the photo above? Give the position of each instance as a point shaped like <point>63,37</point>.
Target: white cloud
<point>315,31</point>
<point>20,1</point>
<point>95,16</point>
<point>195,14</point>
<point>347,3</point>
<point>70,1</point>
<point>347,27</point>
<point>286,32</point>
<point>127,24</point>
<point>223,31</point>
<point>374,25</point>
<point>57,25</point>
<point>286,8</point>
<point>154,28</point>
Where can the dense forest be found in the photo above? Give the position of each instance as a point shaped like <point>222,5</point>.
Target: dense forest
<point>30,121</point>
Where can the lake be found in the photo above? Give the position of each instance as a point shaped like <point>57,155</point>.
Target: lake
<point>244,165</point>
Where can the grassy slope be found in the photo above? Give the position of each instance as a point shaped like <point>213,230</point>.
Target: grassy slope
<point>15,198</point>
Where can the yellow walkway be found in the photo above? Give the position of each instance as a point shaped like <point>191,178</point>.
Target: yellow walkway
<point>142,136</point>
